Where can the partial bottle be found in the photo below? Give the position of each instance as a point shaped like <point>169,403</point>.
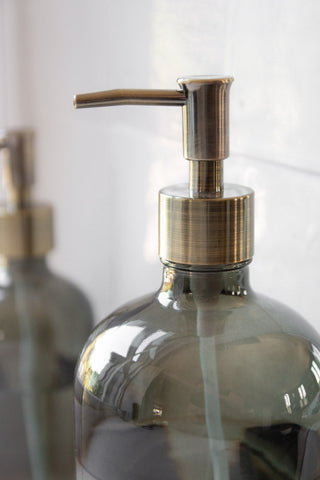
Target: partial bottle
<point>44,321</point>
<point>203,379</point>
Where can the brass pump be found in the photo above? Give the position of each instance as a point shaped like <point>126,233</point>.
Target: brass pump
<point>205,223</point>
<point>25,228</point>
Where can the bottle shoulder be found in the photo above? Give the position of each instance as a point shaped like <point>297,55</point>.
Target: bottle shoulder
<point>230,317</point>
<point>126,312</point>
<point>50,305</point>
<point>66,293</point>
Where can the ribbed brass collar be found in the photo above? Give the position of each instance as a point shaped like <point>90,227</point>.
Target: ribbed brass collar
<point>206,231</point>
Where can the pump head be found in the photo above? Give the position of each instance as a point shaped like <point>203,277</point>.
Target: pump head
<point>17,166</point>
<point>25,228</point>
<point>204,223</point>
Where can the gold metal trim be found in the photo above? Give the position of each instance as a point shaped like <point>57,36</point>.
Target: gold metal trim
<point>27,232</point>
<point>206,231</point>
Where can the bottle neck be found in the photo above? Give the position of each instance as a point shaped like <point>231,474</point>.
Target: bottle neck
<point>204,285</point>
<point>20,268</point>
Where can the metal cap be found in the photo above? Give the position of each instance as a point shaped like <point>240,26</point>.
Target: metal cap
<point>205,222</point>
<point>25,229</point>
<point>26,233</point>
<point>206,231</point>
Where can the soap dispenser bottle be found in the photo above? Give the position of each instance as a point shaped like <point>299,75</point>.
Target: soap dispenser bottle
<point>44,321</point>
<point>204,379</point>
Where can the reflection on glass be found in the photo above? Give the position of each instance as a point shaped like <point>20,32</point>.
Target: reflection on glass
<point>116,340</point>
<point>202,380</point>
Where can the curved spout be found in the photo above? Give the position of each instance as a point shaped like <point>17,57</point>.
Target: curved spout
<point>129,97</point>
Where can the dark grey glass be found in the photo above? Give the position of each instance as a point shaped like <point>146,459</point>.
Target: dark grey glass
<point>44,321</point>
<point>203,380</point>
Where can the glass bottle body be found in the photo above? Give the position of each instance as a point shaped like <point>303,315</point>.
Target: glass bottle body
<point>44,321</point>
<point>202,380</point>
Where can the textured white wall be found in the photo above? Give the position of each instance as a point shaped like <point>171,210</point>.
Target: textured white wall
<point>102,168</point>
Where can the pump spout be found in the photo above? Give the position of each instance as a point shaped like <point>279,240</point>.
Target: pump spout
<point>110,98</point>
<point>205,102</point>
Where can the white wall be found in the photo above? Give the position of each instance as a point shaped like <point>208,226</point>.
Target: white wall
<point>102,168</point>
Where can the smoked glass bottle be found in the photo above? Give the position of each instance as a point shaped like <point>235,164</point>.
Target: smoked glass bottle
<point>204,379</point>
<point>44,321</point>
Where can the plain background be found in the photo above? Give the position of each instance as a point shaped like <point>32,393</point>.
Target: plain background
<point>102,168</point>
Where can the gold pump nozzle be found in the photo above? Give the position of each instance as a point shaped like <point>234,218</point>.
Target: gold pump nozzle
<point>25,228</point>
<point>205,223</point>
